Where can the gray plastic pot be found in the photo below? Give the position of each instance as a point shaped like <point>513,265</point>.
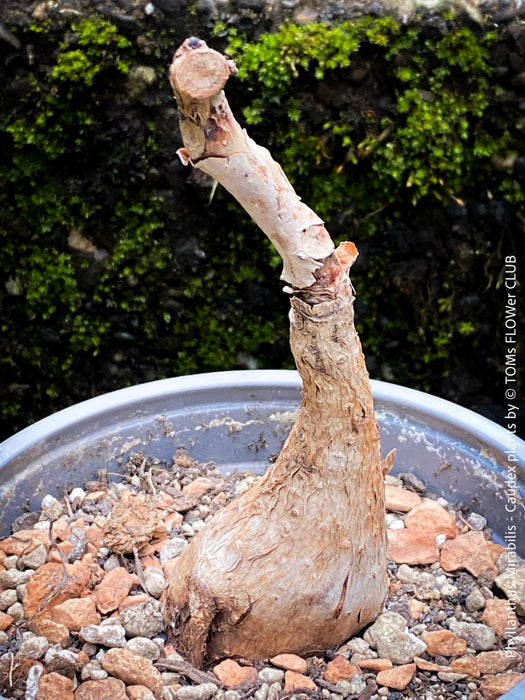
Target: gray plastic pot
<point>240,419</point>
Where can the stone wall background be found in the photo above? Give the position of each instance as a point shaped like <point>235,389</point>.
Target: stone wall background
<point>116,267</point>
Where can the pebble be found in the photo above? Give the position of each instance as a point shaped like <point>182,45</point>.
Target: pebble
<point>390,636</point>
<point>444,643</point>
<point>154,581</point>
<point>34,647</point>
<point>108,635</point>
<point>477,522</point>
<point>51,507</point>
<point>352,687</point>
<point>132,669</point>
<point>432,518</point>
<point>102,688</point>
<point>36,558</point>
<point>475,600</point>
<point>8,598</point>
<point>290,662</point>
<point>512,583</point>
<point>54,686</point>
<point>143,646</point>
<point>11,578</point>
<point>270,675</point>
<point>399,499</point>
<point>203,691</point>
<point>469,551</point>
<point>410,546</point>
<point>143,619</point>
<point>113,589</point>
<point>499,615</point>
<point>393,522</point>
<point>478,636</point>
<point>339,669</point>
<point>172,549</point>
<point>233,675</point>
<point>398,677</point>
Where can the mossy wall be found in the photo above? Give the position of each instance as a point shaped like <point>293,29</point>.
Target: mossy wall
<point>118,266</point>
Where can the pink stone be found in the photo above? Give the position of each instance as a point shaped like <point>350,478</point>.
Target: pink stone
<point>411,547</point>
<point>290,662</point>
<point>132,669</point>
<point>430,517</point>
<point>398,677</point>
<point>107,688</point>
<point>466,664</point>
<point>24,542</point>
<point>201,485</point>
<point>339,669</point>
<point>425,665</point>
<point>5,621</point>
<point>499,615</point>
<point>75,613</point>
<point>294,682</point>
<point>497,661</point>
<point>399,499</point>
<point>444,643</point>
<point>416,608</point>
<point>375,665</point>
<point>233,675</point>
<point>493,687</point>
<point>470,552</point>
<point>136,692</point>
<point>54,686</point>
<point>113,589</point>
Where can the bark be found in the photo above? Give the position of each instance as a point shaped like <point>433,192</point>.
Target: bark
<point>298,562</point>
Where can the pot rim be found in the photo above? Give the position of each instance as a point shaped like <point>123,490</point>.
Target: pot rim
<point>413,400</point>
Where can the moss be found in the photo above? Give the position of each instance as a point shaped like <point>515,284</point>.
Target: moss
<point>402,138</point>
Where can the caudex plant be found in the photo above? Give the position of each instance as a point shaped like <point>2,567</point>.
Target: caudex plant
<point>298,562</point>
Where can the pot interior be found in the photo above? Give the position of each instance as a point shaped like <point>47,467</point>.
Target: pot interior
<point>240,420</point>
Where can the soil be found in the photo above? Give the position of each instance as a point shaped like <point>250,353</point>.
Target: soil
<point>80,582</point>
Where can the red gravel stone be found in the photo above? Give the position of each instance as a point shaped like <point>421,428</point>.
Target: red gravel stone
<point>132,669</point>
<point>432,518</point>
<point>113,589</point>
<point>75,613</point>
<point>398,677</point>
<point>5,621</point>
<point>494,687</point>
<point>233,675</point>
<point>499,615</point>
<point>444,643</point>
<point>54,686</point>
<point>411,547</point>
<point>470,552</point>
<point>466,664</point>
<point>399,499</point>
<point>107,688</point>
<point>294,682</point>
<point>290,662</point>
<point>339,669</point>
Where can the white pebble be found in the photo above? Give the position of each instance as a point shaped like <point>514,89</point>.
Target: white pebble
<point>393,522</point>
<point>77,495</point>
<point>42,525</point>
<point>51,506</point>
<point>150,8</point>
<point>440,540</point>
<point>154,581</point>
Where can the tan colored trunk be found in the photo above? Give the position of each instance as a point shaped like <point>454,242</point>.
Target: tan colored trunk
<point>298,562</point>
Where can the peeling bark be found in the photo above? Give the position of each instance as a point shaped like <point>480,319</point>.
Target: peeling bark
<point>298,562</point>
